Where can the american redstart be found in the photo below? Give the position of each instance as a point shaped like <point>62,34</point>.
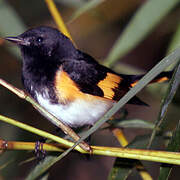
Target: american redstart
<point>67,82</point>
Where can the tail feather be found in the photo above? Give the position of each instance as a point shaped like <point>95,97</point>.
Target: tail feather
<point>137,101</point>
<point>133,80</point>
<point>162,77</point>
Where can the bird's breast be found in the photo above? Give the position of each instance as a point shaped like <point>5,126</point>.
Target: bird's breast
<point>78,112</point>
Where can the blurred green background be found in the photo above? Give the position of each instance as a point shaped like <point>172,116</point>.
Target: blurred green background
<point>95,31</point>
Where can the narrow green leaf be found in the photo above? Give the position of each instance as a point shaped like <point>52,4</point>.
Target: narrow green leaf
<point>122,169</point>
<point>174,145</point>
<point>175,42</point>
<point>131,123</point>
<point>71,3</point>
<point>173,85</point>
<point>40,168</point>
<point>45,177</point>
<point>11,24</point>
<point>6,164</point>
<point>87,7</point>
<point>140,142</point>
<point>143,22</point>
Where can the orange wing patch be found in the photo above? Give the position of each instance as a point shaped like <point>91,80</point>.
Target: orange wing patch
<point>108,84</point>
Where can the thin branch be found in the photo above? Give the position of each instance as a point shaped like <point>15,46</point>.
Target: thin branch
<point>39,132</point>
<point>57,18</point>
<point>19,145</point>
<point>54,120</point>
<point>120,136</point>
<point>139,154</point>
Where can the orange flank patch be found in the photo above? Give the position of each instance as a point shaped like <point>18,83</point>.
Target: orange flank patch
<point>108,84</point>
<point>67,90</point>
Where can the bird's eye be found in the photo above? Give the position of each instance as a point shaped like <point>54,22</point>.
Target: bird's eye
<point>39,40</point>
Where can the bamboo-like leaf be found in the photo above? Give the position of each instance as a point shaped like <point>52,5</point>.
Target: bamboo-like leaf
<point>71,3</point>
<point>87,7</point>
<point>122,169</point>
<point>131,123</point>
<point>146,18</point>
<point>45,177</point>
<point>11,23</point>
<point>174,145</point>
<point>175,42</point>
<point>40,168</point>
<point>174,83</point>
<point>35,131</point>
<point>140,141</point>
<point>6,164</point>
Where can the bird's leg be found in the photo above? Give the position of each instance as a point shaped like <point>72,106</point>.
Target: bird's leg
<point>38,150</point>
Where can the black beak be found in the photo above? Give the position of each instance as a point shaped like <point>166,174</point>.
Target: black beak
<point>18,40</point>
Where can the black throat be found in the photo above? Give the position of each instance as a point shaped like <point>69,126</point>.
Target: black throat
<point>38,74</point>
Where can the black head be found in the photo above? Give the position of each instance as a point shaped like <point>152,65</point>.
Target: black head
<point>44,42</point>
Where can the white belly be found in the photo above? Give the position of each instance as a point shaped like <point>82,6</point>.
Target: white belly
<point>77,113</point>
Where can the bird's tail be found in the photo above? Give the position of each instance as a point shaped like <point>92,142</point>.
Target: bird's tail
<point>162,77</point>
<point>133,80</point>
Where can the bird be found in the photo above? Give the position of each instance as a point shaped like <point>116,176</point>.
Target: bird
<point>69,83</point>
